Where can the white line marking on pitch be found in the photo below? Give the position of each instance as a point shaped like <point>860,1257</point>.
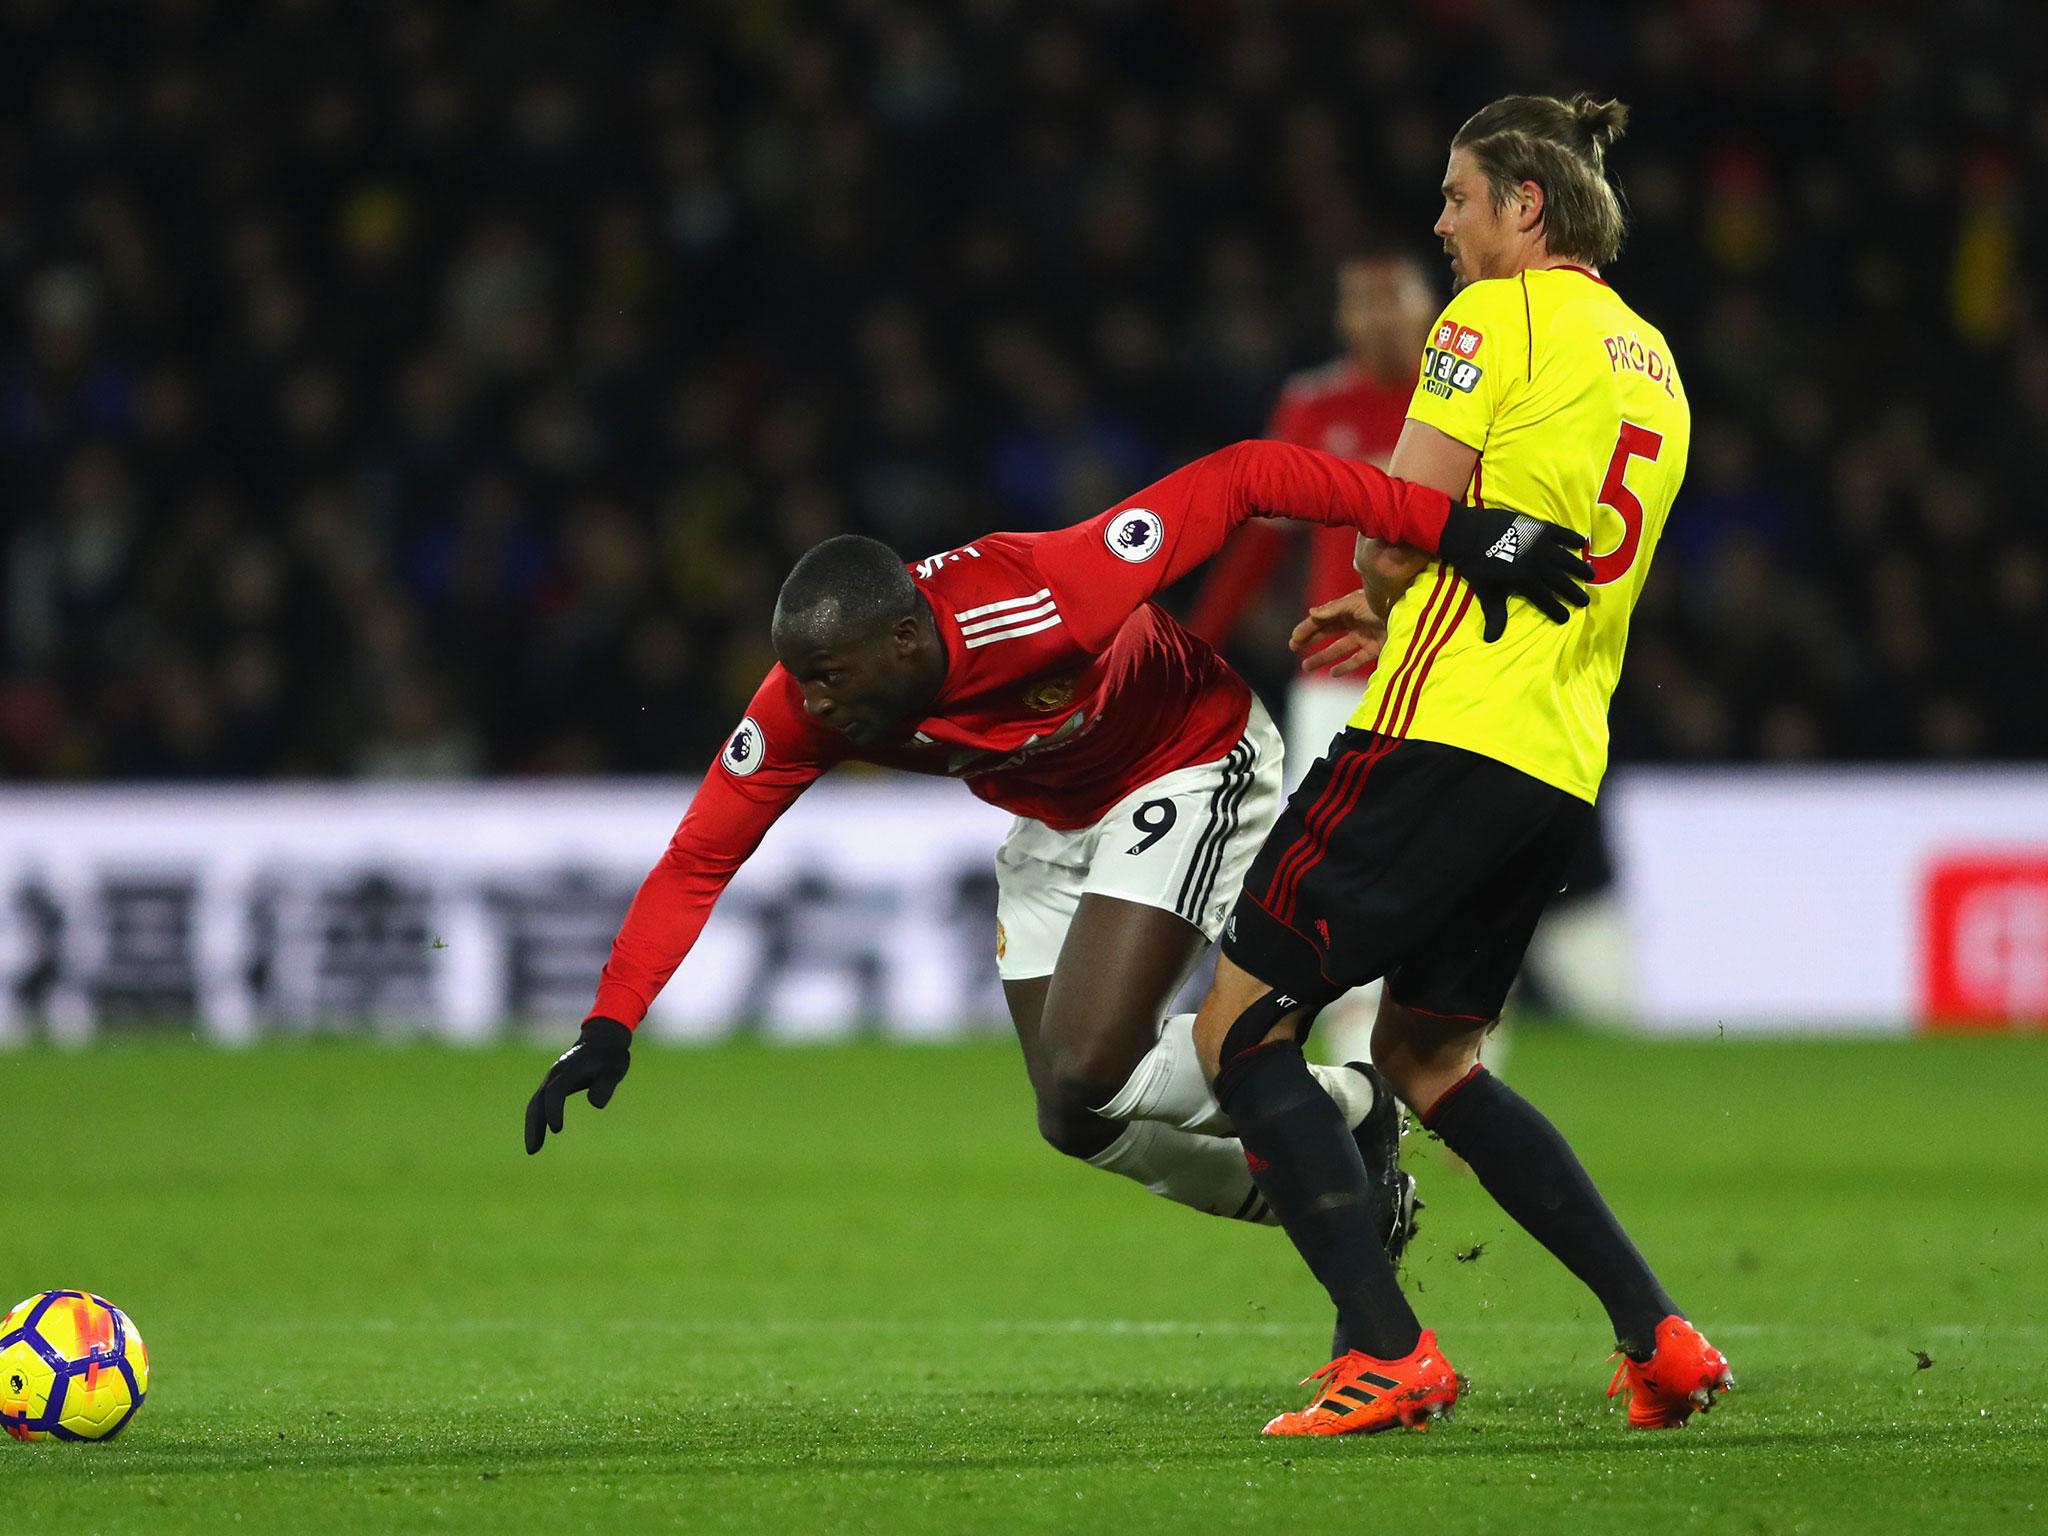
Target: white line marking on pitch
<point>1085,1326</point>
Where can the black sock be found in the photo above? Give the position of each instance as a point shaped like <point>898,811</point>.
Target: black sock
<point>1307,1165</point>
<point>1531,1170</point>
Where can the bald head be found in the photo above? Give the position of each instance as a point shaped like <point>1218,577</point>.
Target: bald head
<point>854,631</point>
<point>843,590</point>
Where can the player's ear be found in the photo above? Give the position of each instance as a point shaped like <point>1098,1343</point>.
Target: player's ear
<point>1529,202</point>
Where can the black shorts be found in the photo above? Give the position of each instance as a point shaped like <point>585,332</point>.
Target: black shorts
<point>1426,864</point>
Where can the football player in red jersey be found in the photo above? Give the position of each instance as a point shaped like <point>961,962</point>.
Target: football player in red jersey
<point>1142,773</point>
<point>1354,405</point>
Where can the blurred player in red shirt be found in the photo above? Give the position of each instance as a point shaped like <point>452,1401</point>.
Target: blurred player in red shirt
<point>1353,405</point>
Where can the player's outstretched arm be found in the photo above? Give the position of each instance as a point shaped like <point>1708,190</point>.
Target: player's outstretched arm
<point>774,754</point>
<point>1102,570</point>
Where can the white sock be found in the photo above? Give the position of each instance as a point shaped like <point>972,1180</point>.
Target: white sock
<point>1167,1086</point>
<point>1205,1172</point>
<point>1351,1089</point>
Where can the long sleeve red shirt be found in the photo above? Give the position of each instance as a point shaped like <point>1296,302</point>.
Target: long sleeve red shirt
<point>1341,409</point>
<point>1065,687</point>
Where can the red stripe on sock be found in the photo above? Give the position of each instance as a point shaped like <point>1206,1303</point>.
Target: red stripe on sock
<point>1443,1098</point>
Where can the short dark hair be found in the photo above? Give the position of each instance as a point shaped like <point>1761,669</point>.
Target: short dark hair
<point>843,587</point>
<point>1562,147</point>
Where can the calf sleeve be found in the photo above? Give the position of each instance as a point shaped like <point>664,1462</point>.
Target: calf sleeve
<point>1309,1169</point>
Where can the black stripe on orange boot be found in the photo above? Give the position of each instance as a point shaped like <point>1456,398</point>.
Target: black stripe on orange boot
<point>1362,1396</point>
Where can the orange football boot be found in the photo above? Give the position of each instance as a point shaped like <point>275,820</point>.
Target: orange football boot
<point>1682,1374</point>
<point>1362,1396</point>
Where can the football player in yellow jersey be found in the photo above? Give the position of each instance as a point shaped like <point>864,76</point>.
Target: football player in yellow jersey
<point>1423,845</point>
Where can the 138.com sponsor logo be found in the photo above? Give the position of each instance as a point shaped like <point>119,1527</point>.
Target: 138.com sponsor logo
<point>1984,941</point>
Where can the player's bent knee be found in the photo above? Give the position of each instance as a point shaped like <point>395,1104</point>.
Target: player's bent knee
<point>1417,1086</point>
<point>1260,1020</point>
<point>1420,1057</point>
<point>1086,1074</point>
<point>1075,1079</point>
<point>1073,1129</point>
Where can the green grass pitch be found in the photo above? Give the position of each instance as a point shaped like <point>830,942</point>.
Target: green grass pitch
<point>845,1289</point>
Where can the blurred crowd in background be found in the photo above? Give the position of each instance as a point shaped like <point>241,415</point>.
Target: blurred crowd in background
<point>390,387</point>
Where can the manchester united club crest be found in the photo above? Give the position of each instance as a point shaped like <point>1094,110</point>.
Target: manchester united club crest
<point>1002,939</point>
<point>1049,694</point>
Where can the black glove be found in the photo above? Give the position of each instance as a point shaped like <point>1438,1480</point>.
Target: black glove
<point>1504,554</point>
<point>597,1062</point>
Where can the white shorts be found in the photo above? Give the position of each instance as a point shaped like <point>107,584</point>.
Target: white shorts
<point>1181,843</point>
<point>1317,709</point>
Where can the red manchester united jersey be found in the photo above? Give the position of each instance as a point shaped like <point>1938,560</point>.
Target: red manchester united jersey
<point>1065,687</point>
<point>1341,409</point>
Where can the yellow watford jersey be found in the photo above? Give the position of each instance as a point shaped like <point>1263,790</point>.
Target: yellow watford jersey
<point>1579,418</point>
